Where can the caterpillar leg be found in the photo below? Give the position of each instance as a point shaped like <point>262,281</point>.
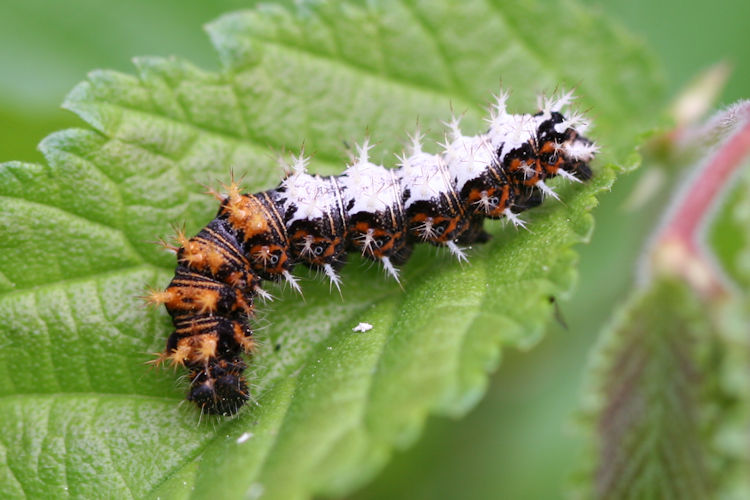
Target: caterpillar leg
<point>475,233</point>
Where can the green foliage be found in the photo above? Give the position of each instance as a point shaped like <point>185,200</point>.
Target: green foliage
<point>652,376</point>
<point>670,406</point>
<point>733,250</point>
<point>81,413</point>
<point>670,399</point>
<point>728,234</point>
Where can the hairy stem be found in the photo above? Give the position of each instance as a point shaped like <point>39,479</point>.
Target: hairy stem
<point>679,247</point>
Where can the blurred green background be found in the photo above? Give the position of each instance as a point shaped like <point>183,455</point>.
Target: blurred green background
<point>520,441</point>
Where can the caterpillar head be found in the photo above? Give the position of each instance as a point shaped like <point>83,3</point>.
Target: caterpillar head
<point>219,388</point>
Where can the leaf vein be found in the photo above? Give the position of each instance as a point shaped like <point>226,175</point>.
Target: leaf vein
<point>80,279</point>
<point>4,398</point>
<point>10,469</point>
<point>442,94</point>
<point>106,446</point>
<point>48,352</point>
<point>433,36</point>
<point>78,217</point>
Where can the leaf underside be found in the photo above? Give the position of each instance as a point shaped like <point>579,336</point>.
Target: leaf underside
<point>80,412</point>
<point>653,380</point>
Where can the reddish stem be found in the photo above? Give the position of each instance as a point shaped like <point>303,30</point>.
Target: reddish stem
<point>706,187</point>
<point>678,245</point>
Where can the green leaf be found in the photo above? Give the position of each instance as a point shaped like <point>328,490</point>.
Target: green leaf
<point>730,240</point>
<point>82,415</point>
<point>653,375</point>
<point>668,405</point>
<point>729,235</point>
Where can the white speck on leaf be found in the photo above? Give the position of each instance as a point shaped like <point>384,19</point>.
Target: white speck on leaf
<point>362,327</point>
<point>256,490</point>
<point>244,437</point>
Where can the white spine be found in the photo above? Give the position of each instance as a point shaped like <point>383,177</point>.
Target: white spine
<point>371,187</point>
<point>312,195</point>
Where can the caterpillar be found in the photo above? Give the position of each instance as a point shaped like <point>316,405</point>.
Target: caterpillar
<point>381,213</point>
